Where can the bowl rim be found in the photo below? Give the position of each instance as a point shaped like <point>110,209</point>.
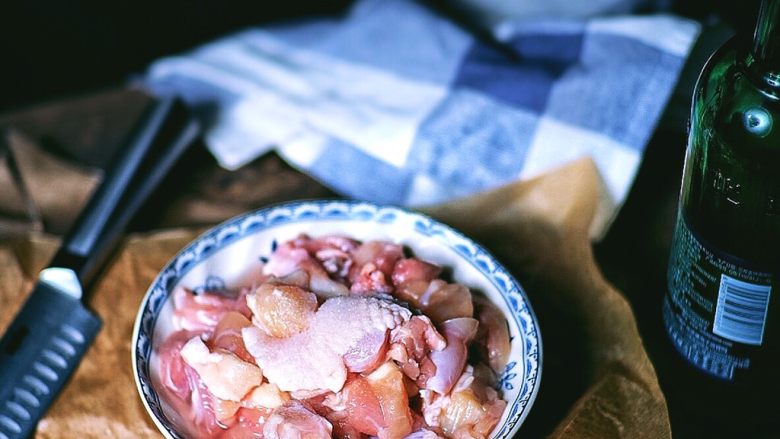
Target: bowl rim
<point>351,205</point>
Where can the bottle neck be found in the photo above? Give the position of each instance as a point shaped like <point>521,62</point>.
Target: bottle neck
<point>766,40</point>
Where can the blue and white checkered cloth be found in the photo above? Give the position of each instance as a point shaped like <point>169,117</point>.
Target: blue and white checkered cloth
<point>396,104</point>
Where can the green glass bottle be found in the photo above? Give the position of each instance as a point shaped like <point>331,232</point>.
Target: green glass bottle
<point>722,308</point>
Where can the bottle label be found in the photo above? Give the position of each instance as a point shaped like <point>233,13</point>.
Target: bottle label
<point>715,310</point>
<point>741,311</point>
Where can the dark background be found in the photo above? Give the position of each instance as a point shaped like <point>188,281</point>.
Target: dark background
<point>54,48</point>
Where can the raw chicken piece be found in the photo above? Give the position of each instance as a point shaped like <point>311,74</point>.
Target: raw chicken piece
<point>432,407</point>
<point>493,333</point>
<point>266,396</point>
<point>367,353</point>
<point>420,429</point>
<point>344,430</point>
<point>370,280</point>
<point>333,252</point>
<point>295,421</point>
<point>342,334</point>
<point>282,310</point>
<point>423,433</point>
<point>174,373</point>
<point>373,266</point>
<point>437,299</point>
<point>356,408</point>
<point>387,383</point>
<point>288,259</point>
<point>382,254</point>
<point>413,270</point>
<point>224,410</point>
<point>411,344</point>
<point>472,410</point>
<point>335,242</point>
<point>224,374</point>
<point>201,312</point>
<point>248,425</point>
<point>419,336</point>
<point>186,392</point>
<point>227,335</point>
<point>298,278</point>
<point>336,262</point>
<point>451,360</point>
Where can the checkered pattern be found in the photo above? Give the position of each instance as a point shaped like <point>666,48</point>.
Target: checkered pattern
<point>395,104</point>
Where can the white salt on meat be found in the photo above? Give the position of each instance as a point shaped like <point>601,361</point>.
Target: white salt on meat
<point>344,335</point>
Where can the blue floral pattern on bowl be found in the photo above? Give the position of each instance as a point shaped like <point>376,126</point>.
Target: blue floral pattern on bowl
<point>521,376</point>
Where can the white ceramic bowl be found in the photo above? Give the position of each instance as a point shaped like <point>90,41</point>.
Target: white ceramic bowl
<point>230,254</point>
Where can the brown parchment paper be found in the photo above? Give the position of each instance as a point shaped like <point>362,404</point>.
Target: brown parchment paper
<point>597,381</point>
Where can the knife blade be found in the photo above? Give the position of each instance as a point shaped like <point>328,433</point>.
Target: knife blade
<point>46,340</point>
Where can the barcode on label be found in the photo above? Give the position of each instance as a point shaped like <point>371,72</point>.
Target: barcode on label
<point>741,312</point>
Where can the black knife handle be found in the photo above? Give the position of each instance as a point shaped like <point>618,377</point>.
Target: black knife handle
<point>38,354</point>
<point>157,141</point>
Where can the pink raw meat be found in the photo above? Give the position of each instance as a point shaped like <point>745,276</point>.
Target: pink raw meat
<point>201,312</point>
<point>451,360</point>
<point>295,420</point>
<point>287,259</point>
<point>413,269</point>
<point>346,333</point>
<point>373,266</point>
<point>410,345</point>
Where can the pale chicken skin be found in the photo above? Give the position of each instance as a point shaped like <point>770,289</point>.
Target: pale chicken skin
<point>341,339</point>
